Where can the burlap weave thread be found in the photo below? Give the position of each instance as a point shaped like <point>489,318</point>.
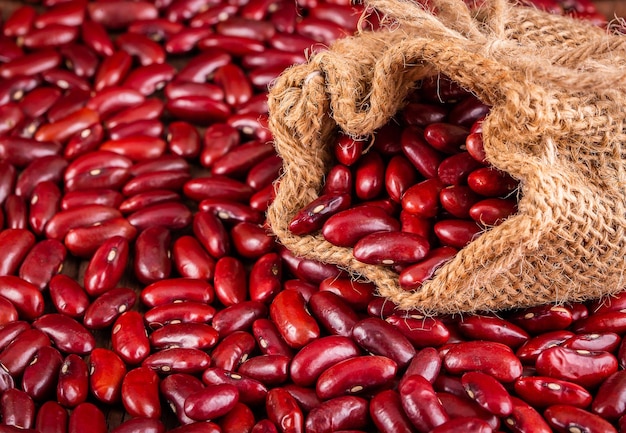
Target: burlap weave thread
<point>557,90</point>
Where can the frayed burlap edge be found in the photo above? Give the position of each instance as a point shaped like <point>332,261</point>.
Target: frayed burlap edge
<point>557,124</point>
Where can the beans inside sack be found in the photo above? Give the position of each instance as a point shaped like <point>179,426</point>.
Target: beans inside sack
<point>141,291</point>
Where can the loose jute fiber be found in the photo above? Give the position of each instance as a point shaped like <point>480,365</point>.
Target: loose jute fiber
<point>557,90</point>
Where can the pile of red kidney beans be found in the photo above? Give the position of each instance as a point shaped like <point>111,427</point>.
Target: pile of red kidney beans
<point>140,290</point>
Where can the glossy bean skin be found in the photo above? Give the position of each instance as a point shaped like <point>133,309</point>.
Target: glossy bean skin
<point>337,414</point>
<point>493,329</point>
<point>381,338</point>
<point>582,367</point>
<point>333,313</point>
<point>107,265</point>
<point>191,260</point>
<point>179,312</point>
<point>140,393</point>
<point>233,350</point>
<point>18,243</point>
<point>211,233</point>
<point>345,228</point>
<point>269,339</point>
<point>87,417</point>
<point>356,293</point>
<point>238,317</point>
<point>17,409</point>
<point>25,296</point>
<point>564,418</point>
<point>106,372</point>
<point>463,407</point>
<point>44,203</point>
<point>294,323</point>
<point>40,376</point>
<point>386,412</point>
<point>105,309</point>
<point>178,360</point>
<point>413,276</point>
<point>230,281</point>
<point>251,391</point>
<point>271,370</point>
<point>152,258</point>
<point>211,402</point>
<point>530,350</point>
<point>140,425</point>
<point>193,335</point>
<point>67,334</point>
<point>355,375</point>
<point>420,404</point>
<point>283,410</point>
<point>175,389</point>
<point>487,392</point>
<point>73,384</point>
<point>84,241</point>
<point>167,291</point>
<point>51,418</point>
<point>494,359</point>
<point>541,392</point>
<point>421,331</point>
<point>265,279</point>
<point>43,261</point>
<point>129,338</point>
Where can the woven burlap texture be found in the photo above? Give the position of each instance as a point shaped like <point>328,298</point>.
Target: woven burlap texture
<point>556,87</point>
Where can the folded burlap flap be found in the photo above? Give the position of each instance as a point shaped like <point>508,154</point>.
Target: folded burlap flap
<point>557,90</point>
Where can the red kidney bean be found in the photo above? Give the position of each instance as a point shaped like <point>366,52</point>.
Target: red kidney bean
<point>445,137</point>
<point>62,222</point>
<point>20,21</point>
<point>12,116</point>
<point>186,40</point>
<point>9,331</point>
<point>30,64</point>
<point>17,409</point>
<point>149,127</point>
<point>543,318</point>
<point>426,363</point>
<point>269,339</point>
<point>283,410</point>
<point>456,233</point>
<point>211,402</point>
<point>289,314</point>
<point>379,337</point>
<point>461,406</point>
<point>610,399</point>
<point>369,176</point>
<point>235,45</point>
<point>238,317</point>
<point>179,312</point>
<point>129,339</point>
<point>183,139</point>
<point>468,111</point>
<point>67,334</point>
<point>474,146</point>
<point>237,88</point>
<point>176,388</point>
<point>121,15</point>
<point>14,88</point>
<point>37,101</point>
<point>87,417</point>
<point>420,403</point>
<point>51,36</point>
<point>158,180</point>
<point>80,59</point>
<point>233,350</point>
<point>493,329</point>
<point>110,100</point>
<point>85,241</point>
<point>608,342</point>
<point>413,276</point>
<point>105,309</point>
<point>147,51</point>
<point>168,215</point>
<point>198,109</point>
<point>165,162</point>
<point>251,391</point>
<point>73,383</point>
<point>355,375</point>
<point>140,425</point>
<point>582,367</point>
<point>603,321</point>
<point>265,279</point>
<point>492,358</point>
<point>172,290</point>
<point>136,147</point>
<point>21,151</point>
<point>388,248</point>
<point>399,176</point>
<point>112,70</point>
<point>217,187</point>
<point>230,281</point>
<point>16,245</point>
<point>140,393</point>
<point>338,413</point>
<point>251,240</point>
<point>8,175</point>
<point>178,360</point>
<point>106,372</point>
<point>151,108</point>
<point>356,293</point>
<point>152,254</point>
<point>312,217</point>
<point>43,261</point>
<point>25,296</point>
<point>454,169</point>
<point>8,312</point>
<point>39,379</point>
<point>264,173</point>
<point>385,410</point>
<point>489,182</point>
<point>529,351</point>
<point>21,350</point>
<point>333,313</point>
<point>16,212</point>
<point>463,424</point>
<point>242,158</point>
<point>260,200</point>
<point>191,260</point>
<point>212,16</point>
<point>540,391</point>
<point>270,370</point>
<point>107,265</point>
<point>51,418</point>
<point>338,181</point>
<point>422,199</point>
<point>192,335</point>
<point>211,233</point>
<point>239,418</point>
<point>306,397</point>
<point>565,418</point>
<point>82,143</point>
<point>348,150</point>
<point>67,296</point>
<point>608,303</point>
<point>44,203</point>
<point>487,392</point>
<point>146,199</point>
<point>492,211</point>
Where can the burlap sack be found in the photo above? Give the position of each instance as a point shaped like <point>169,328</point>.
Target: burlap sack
<point>557,88</point>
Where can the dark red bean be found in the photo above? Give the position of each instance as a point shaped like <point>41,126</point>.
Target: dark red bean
<point>85,241</point>
<point>43,261</point>
<point>51,418</point>
<point>211,233</point>
<point>140,425</point>
<point>492,358</point>
<point>356,293</point>
<point>21,151</point>
<point>107,265</point>
<point>193,335</point>
<point>493,329</point>
<point>73,383</point>
<point>420,403</point>
<point>106,372</point>
<point>239,418</point>
<point>233,350</point>
<point>489,182</point>
<point>61,223</point>
<point>30,64</point>
<point>242,158</point>
<point>129,338</point>
<point>487,392</point>
<point>105,309</point>
<point>211,402</point>
<point>333,313</point>
<point>251,391</point>
<point>270,370</point>
<point>16,212</point>
<point>140,393</point>
<point>44,203</point>
<point>8,312</point>
<point>356,375</point>
<point>413,276</point>
<point>39,380</point>
<point>178,360</point>
<point>283,410</point>
<point>67,334</point>
<point>582,367</point>
<point>191,260</point>
<point>175,388</point>
<point>170,215</point>
<point>566,418</point>
<point>492,211</point>
<point>610,401</point>
<point>16,245</point>
<point>269,339</point>
<point>25,296</point>
<point>17,409</point>
<point>541,391</point>
<point>386,412</point>
<point>147,51</point>
<point>422,199</point>
<point>294,323</point>
<point>608,342</point>
<point>238,317</point>
<point>388,248</point>
<point>379,337</point>
<point>21,350</point>
<point>529,351</point>
<point>87,417</point>
<point>230,281</point>
<point>339,413</point>
<point>179,312</point>
<point>119,16</point>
